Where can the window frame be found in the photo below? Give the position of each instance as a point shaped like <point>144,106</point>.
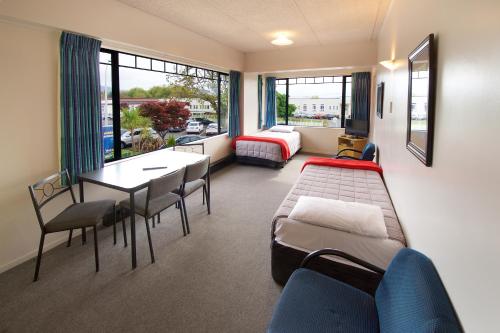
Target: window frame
<point>206,73</point>
<point>317,80</point>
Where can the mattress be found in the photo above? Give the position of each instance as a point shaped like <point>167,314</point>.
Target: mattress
<point>340,184</point>
<point>267,150</point>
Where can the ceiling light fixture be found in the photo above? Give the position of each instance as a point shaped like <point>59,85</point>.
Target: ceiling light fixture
<point>282,41</point>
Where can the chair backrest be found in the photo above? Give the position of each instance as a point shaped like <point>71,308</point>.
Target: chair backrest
<point>47,189</point>
<point>165,184</point>
<point>197,170</point>
<point>368,152</point>
<point>412,298</point>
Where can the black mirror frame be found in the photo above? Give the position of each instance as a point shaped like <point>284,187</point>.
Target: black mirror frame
<point>427,45</point>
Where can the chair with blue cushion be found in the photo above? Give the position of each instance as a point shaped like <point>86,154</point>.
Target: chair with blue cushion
<point>368,153</point>
<point>409,298</point>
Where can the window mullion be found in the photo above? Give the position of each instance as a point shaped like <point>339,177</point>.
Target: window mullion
<point>286,104</point>
<point>115,96</point>
<point>219,82</point>
<point>342,106</point>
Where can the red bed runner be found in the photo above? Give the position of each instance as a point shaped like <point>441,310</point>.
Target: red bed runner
<point>348,164</point>
<point>285,150</point>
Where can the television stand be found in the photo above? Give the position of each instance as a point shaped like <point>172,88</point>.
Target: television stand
<point>352,142</point>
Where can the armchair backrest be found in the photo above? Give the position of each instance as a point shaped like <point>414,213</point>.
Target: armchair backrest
<point>412,298</point>
<point>368,152</point>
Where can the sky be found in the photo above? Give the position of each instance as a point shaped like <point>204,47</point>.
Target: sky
<point>131,78</point>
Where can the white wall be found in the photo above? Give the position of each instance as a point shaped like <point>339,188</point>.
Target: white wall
<point>125,27</point>
<point>449,211</point>
<point>29,58</point>
<point>250,104</point>
<point>318,140</point>
<point>360,54</point>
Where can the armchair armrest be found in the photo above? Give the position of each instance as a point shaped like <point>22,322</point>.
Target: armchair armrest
<point>343,255</point>
<point>346,158</point>
<point>348,149</point>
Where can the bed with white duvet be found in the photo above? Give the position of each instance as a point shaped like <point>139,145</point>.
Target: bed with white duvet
<point>253,150</point>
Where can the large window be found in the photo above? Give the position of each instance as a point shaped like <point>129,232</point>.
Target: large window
<point>314,101</point>
<point>148,104</point>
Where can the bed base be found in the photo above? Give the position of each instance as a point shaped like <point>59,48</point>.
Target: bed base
<point>260,162</point>
<point>284,260</point>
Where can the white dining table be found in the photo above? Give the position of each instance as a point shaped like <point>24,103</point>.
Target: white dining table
<point>132,175</point>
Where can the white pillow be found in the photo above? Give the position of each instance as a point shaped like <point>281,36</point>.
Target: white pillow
<point>282,128</point>
<point>353,217</point>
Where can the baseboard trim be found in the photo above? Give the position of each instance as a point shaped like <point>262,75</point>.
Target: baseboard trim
<point>32,254</point>
<point>222,163</point>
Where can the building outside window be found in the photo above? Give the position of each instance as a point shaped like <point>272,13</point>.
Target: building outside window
<point>303,95</point>
<point>148,103</point>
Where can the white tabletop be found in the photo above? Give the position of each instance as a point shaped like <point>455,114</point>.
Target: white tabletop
<point>128,175</point>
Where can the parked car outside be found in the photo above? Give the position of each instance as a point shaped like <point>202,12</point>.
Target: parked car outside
<point>177,129</point>
<point>204,121</point>
<point>194,127</point>
<point>187,139</point>
<point>212,129</point>
<point>126,138</point>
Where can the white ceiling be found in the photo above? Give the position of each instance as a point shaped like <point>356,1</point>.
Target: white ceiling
<point>250,25</point>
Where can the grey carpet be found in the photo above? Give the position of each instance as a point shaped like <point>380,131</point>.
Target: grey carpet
<point>217,279</point>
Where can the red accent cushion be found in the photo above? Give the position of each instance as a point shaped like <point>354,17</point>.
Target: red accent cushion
<point>285,150</point>
<point>347,164</point>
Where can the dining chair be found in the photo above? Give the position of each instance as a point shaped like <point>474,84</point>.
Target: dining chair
<point>157,197</point>
<point>197,176</point>
<point>75,216</point>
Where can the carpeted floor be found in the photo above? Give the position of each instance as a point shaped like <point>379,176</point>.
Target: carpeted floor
<point>217,279</point>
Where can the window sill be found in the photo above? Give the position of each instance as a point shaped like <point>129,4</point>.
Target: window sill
<point>207,139</point>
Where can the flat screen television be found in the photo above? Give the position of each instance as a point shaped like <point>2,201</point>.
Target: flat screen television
<point>357,127</point>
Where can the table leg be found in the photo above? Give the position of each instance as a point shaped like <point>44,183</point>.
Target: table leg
<point>82,199</point>
<point>132,230</point>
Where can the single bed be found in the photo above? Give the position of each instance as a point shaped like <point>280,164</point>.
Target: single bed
<point>268,148</point>
<point>292,240</point>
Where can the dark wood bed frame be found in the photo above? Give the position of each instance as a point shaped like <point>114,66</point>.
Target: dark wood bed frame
<point>260,162</point>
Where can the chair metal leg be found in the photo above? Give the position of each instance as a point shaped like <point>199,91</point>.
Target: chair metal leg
<point>204,190</point>
<point>158,221</point>
<point>96,250</point>
<point>209,194</point>
<point>153,218</point>
<point>39,257</point>
<point>124,229</point>
<point>182,221</point>
<point>150,242</point>
<point>183,203</point>
<point>84,236</point>
<point>114,226</point>
<point>70,237</point>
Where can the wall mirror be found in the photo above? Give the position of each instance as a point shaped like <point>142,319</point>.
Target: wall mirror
<point>421,97</point>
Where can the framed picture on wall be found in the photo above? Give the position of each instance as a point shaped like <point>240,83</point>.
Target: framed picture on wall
<point>380,100</point>
<point>421,99</point>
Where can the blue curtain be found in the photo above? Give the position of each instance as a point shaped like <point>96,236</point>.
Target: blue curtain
<point>270,102</point>
<point>234,104</point>
<point>81,127</point>
<point>360,95</point>
<point>259,100</point>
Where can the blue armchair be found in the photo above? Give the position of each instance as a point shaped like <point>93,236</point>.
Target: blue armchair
<point>409,298</point>
<point>367,154</point>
